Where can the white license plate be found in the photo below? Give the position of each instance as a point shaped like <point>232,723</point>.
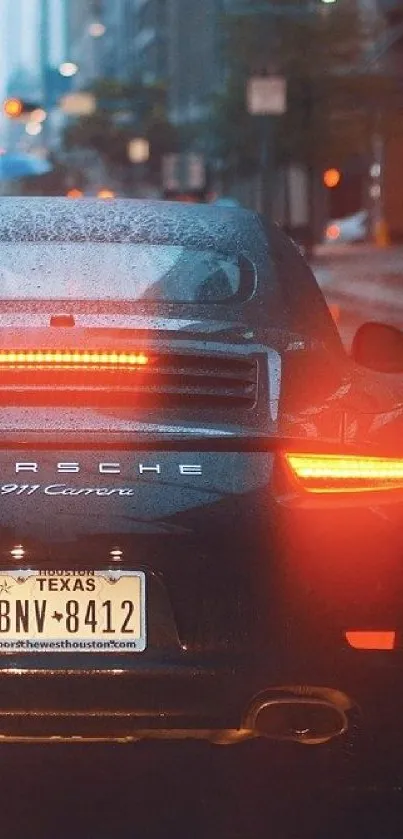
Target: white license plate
<point>72,611</point>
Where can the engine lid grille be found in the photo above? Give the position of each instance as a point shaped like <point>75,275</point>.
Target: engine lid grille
<point>109,377</point>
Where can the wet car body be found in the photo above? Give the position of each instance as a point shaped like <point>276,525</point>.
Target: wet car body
<point>175,471</point>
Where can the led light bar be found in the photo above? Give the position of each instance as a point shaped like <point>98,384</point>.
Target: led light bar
<point>71,358</point>
<point>345,473</point>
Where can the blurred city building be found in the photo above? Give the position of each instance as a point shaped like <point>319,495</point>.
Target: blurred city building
<point>195,60</point>
<point>117,44</point>
<point>101,39</point>
<point>82,48</point>
<point>151,39</point>
<point>392,10</point>
<point>391,7</point>
<point>12,41</point>
<point>22,84</point>
<point>20,81</point>
<point>176,42</point>
<point>391,158</point>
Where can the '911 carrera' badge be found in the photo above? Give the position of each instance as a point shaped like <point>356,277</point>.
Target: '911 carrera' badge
<point>64,489</point>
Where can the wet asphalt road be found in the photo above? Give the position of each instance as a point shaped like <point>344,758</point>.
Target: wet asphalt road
<point>197,792</point>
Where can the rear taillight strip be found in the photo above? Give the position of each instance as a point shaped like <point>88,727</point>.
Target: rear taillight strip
<point>71,358</point>
<point>322,473</point>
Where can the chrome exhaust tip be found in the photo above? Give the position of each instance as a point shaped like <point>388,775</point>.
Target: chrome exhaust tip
<point>301,719</point>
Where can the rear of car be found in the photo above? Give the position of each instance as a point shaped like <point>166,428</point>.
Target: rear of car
<point>348,230</point>
<point>196,540</point>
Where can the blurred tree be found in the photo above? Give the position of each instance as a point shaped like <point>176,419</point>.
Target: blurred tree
<point>124,111</point>
<point>332,100</point>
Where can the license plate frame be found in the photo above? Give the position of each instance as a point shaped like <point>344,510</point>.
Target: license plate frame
<point>116,624</point>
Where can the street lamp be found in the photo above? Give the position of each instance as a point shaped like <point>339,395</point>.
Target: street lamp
<point>267,98</point>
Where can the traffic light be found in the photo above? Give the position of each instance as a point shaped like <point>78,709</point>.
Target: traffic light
<point>15,108</point>
<point>12,108</point>
<point>332,178</point>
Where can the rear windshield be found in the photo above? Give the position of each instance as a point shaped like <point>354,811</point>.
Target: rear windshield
<point>115,271</point>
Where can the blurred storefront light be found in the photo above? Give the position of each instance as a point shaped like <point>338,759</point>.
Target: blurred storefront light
<point>78,104</point>
<point>39,115</point>
<point>75,193</point>
<point>106,193</point>
<point>68,69</point>
<point>138,150</point>
<point>97,29</point>
<point>33,129</point>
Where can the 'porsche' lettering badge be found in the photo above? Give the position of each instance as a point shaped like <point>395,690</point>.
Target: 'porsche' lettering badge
<point>105,468</point>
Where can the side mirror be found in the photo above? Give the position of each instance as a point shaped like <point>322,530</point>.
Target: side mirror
<point>379,346</point>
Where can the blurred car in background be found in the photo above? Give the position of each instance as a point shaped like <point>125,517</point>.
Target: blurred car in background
<point>226,201</point>
<point>350,229</point>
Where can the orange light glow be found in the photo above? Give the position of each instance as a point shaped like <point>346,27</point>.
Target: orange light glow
<point>372,640</point>
<point>332,178</point>
<point>106,193</point>
<point>333,232</point>
<point>72,358</point>
<point>13,108</point>
<point>335,311</point>
<point>346,473</point>
<point>75,193</point>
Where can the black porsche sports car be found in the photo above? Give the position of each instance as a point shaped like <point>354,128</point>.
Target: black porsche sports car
<point>201,493</point>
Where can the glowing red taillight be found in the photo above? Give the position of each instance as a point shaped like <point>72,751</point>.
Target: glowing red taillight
<point>72,358</point>
<point>372,639</point>
<point>322,473</point>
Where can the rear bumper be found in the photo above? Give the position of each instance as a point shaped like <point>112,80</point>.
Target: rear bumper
<point>163,701</point>
<point>252,597</point>
<point>213,702</point>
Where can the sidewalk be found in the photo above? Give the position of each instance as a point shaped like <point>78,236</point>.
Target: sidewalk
<point>361,272</point>
<point>361,283</point>
<point>365,254</point>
